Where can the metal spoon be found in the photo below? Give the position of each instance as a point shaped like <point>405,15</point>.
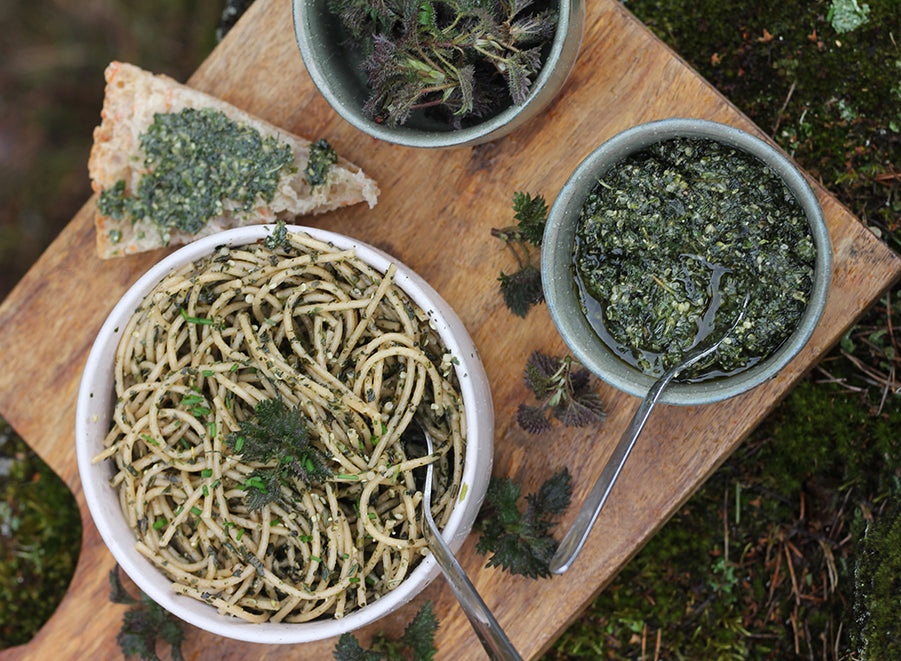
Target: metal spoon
<point>493,638</point>
<point>578,532</point>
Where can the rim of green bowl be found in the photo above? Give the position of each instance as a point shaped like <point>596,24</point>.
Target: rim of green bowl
<point>337,82</point>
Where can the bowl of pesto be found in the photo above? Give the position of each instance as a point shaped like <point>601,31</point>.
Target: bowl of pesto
<point>438,74</point>
<point>657,238</point>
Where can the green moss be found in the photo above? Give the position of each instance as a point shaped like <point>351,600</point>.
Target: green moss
<point>878,587</point>
<point>825,434</point>
<point>40,540</point>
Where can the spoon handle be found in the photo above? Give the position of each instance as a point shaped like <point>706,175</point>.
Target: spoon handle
<point>493,638</point>
<point>577,534</point>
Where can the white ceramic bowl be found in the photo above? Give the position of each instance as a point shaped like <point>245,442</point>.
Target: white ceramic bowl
<point>92,421</point>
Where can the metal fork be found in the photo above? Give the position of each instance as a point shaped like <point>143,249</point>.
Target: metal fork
<point>493,638</point>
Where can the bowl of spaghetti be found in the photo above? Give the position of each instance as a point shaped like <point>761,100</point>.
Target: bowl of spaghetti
<point>242,432</point>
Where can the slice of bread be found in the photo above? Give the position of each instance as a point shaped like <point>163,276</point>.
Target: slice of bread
<point>132,100</point>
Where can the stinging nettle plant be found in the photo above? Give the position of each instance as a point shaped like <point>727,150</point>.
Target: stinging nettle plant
<point>459,60</point>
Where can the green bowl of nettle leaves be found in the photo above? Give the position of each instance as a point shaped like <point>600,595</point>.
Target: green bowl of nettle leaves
<point>659,236</point>
<point>438,73</point>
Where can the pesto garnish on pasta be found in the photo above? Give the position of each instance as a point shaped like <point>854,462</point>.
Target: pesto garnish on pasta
<point>214,355</point>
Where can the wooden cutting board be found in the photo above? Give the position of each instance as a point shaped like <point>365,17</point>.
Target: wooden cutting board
<point>435,213</point>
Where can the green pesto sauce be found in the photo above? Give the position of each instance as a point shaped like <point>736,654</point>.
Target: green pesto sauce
<point>322,157</point>
<point>671,239</point>
<point>195,160</point>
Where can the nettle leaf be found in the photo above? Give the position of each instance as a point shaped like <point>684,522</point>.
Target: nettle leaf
<point>522,289</point>
<point>536,28</point>
<point>419,634</point>
<point>276,434</point>
<point>520,541</point>
<point>531,216</point>
<point>533,419</point>
<point>516,73</point>
<point>540,372</point>
<point>466,89</point>
<point>118,593</point>
<point>261,489</point>
<point>552,498</point>
<point>564,389</point>
<point>582,412</point>
<point>348,649</point>
<point>427,15</point>
<point>417,642</point>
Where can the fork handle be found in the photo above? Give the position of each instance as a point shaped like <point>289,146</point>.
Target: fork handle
<point>490,633</point>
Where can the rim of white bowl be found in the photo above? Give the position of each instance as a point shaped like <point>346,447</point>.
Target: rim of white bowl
<point>91,427</point>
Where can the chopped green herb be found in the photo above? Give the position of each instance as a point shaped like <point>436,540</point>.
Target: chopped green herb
<point>279,236</point>
<point>670,241</point>
<point>197,159</point>
<point>194,320</point>
<point>322,157</point>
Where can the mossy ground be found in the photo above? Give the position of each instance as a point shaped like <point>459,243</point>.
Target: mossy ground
<point>40,537</point>
<point>761,563</point>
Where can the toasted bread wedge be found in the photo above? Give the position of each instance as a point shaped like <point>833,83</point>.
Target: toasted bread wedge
<point>133,100</point>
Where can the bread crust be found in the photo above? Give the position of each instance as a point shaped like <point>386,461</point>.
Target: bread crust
<point>131,100</point>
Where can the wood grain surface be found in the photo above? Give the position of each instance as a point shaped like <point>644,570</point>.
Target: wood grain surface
<point>435,214</point>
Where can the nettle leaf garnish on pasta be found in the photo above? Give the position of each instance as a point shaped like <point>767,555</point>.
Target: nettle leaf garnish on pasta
<point>277,433</point>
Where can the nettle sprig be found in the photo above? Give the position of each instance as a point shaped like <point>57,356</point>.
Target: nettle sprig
<point>564,392</point>
<point>467,58</point>
<point>417,642</point>
<point>276,433</point>
<point>518,537</point>
<point>144,624</point>
<point>521,289</point>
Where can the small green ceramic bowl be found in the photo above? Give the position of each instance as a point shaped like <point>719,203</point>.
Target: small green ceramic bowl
<point>563,298</point>
<point>334,70</point>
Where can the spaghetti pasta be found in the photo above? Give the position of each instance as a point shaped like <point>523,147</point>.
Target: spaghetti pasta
<point>326,334</point>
